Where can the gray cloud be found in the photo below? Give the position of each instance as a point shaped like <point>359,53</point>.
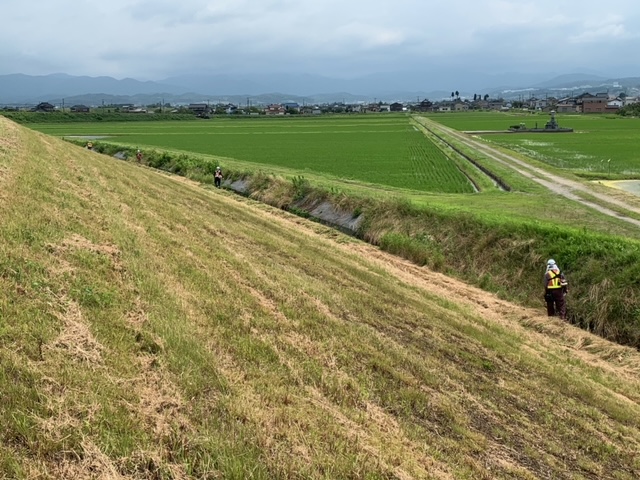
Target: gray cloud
<point>153,39</point>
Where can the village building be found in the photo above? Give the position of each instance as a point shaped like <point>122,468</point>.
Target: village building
<point>424,106</point>
<point>567,106</point>
<point>593,103</point>
<point>80,109</point>
<point>616,103</point>
<point>275,109</point>
<point>136,110</point>
<point>291,106</point>
<point>199,108</point>
<point>44,107</point>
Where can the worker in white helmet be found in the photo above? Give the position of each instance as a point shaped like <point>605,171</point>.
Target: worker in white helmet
<point>555,290</point>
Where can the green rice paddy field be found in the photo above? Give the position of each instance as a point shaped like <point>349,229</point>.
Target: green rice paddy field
<point>385,150</point>
<point>606,144</point>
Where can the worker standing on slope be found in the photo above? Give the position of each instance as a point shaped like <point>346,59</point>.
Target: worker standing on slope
<point>555,290</point>
<point>217,177</point>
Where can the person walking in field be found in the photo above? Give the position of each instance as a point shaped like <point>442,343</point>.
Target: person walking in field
<point>555,290</point>
<point>217,177</point>
<point>139,156</point>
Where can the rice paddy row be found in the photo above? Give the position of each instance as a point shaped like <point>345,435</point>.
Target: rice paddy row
<point>381,150</point>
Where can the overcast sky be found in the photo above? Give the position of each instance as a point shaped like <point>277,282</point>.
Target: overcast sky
<point>155,39</point>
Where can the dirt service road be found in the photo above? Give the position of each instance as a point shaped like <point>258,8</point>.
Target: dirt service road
<point>570,189</point>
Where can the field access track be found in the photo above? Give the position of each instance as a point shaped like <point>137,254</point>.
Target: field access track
<point>555,183</point>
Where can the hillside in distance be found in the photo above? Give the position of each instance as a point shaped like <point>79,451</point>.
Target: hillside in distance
<point>153,328</point>
<point>298,87</point>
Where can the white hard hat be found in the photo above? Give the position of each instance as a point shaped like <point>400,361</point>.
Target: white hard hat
<point>551,262</point>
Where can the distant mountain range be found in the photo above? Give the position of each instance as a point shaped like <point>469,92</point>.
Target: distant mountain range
<point>58,89</point>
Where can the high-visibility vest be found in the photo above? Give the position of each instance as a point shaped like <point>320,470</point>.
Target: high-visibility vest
<point>554,279</point>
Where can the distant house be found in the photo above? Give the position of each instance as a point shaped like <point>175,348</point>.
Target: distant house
<point>631,100</point>
<point>537,104</point>
<point>275,109</point>
<point>461,107</point>
<point>594,104</point>
<point>385,108</point>
<point>122,107</point>
<point>80,109</point>
<point>199,108</point>
<point>396,107</point>
<point>424,106</point>
<point>615,104</point>
<point>567,106</point>
<point>44,107</point>
<point>291,105</point>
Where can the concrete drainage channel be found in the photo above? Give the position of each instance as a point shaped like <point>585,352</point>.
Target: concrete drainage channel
<point>323,211</point>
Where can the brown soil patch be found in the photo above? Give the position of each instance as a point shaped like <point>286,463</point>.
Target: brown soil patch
<point>76,339</point>
<point>94,465</point>
<point>137,317</point>
<point>81,243</point>
<point>161,405</point>
<point>78,242</point>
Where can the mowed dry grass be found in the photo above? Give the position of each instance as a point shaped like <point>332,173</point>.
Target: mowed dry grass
<point>151,328</point>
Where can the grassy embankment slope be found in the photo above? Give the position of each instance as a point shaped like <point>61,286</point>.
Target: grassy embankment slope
<point>153,329</point>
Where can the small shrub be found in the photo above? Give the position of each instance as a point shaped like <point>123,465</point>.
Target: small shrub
<point>301,187</point>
